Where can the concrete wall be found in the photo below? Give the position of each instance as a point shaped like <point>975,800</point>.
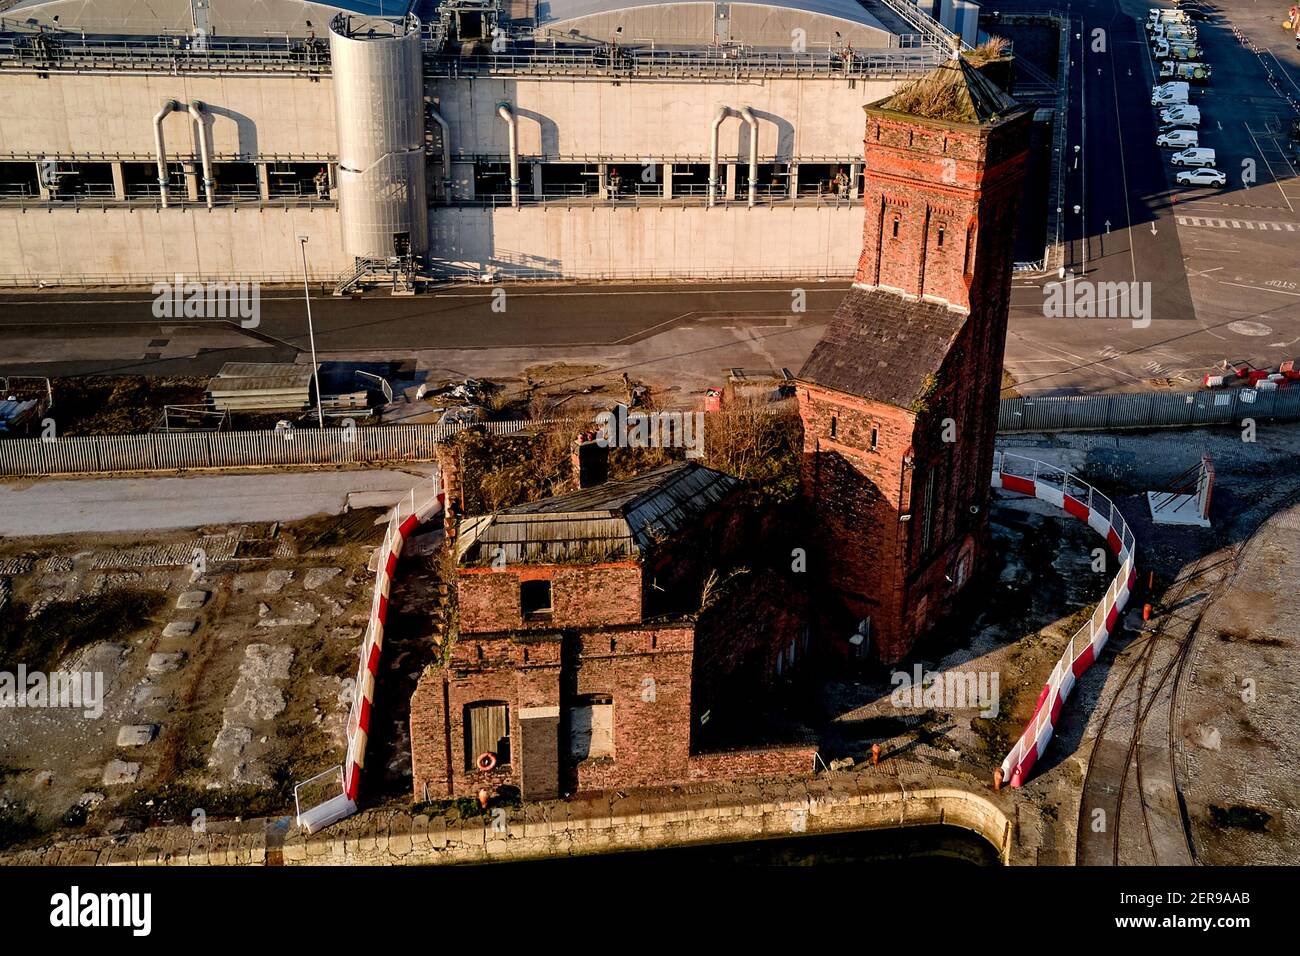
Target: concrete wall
<point>627,241</point>
<point>247,241</point>
<point>73,115</point>
<point>572,119</point>
<point>839,803</point>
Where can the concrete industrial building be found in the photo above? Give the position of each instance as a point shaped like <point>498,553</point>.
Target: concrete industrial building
<point>577,138</point>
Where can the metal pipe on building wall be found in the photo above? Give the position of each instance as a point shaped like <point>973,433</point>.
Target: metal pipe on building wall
<point>205,151</point>
<point>748,116</point>
<point>159,149</point>
<point>723,113</point>
<point>446,152</point>
<point>504,111</point>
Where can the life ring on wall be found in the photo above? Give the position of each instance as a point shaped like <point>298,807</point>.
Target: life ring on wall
<point>487,761</point>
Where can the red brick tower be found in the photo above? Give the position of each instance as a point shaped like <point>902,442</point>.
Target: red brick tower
<point>899,399</point>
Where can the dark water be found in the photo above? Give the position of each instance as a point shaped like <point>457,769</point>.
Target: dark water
<point>929,846</point>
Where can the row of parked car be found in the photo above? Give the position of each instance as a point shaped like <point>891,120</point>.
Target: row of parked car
<point>1175,46</point>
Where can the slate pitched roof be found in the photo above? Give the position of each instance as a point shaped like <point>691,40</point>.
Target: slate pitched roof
<point>613,520</point>
<point>882,346</point>
<point>956,92</point>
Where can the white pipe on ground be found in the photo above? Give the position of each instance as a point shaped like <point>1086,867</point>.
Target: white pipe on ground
<point>747,115</point>
<point>205,150</point>
<point>160,150</point>
<point>723,113</point>
<point>446,151</point>
<point>504,111</point>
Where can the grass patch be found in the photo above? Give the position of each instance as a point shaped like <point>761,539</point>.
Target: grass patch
<point>65,626</point>
<point>18,824</point>
<point>175,803</point>
<point>119,404</point>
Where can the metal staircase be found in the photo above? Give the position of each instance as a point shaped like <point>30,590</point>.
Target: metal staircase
<point>399,272</point>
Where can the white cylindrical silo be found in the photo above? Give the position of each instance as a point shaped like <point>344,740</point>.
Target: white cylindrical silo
<point>378,102</point>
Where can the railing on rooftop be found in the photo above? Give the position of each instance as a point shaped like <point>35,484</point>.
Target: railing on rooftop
<point>75,53</point>
<point>702,61</point>
<point>26,51</point>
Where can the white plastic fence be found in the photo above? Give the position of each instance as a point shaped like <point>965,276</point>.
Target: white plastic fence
<point>1072,494</point>
<point>406,517</point>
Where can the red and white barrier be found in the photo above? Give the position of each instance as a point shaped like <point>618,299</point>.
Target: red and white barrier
<point>406,516</point>
<point>1040,480</point>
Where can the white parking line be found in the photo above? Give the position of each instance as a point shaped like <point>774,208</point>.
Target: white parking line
<point>1277,180</point>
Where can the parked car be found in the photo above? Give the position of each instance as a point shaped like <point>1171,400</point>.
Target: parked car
<point>1205,176</point>
<point>1196,156</point>
<point>1169,94</point>
<point>1178,139</point>
<point>1183,115</point>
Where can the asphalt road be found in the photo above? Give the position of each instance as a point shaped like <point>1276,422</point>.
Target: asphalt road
<point>51,507</point>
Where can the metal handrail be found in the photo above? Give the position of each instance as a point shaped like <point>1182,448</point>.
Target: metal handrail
<point>705,60</point>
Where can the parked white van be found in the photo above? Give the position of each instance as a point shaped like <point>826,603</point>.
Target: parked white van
<point>1169,94</point>
<point>1181,116</point>
<point>1178,139</point>
<point>1197,156</point>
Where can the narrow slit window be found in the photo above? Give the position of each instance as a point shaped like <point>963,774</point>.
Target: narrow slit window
<point>898,221</point>
<point>940,237</point>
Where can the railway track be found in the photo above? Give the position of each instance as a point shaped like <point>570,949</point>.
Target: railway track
<point>1131,811</point>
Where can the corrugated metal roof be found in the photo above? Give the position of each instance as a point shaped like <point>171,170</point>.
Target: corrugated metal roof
<point>617,519</point>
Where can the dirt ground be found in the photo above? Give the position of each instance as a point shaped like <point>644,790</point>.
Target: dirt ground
<point>226,677</point>
<point>1038,588</point>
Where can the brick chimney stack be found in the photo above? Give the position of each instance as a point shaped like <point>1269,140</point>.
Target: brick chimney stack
<point>590,460</point>
<point>449,463</point>
<point>899,399</point>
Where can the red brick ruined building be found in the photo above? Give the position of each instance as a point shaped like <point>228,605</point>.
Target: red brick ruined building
<point>583,658</point>
<point>899,399</point>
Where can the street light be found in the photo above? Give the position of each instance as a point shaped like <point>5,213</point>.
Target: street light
<point>311,333</point>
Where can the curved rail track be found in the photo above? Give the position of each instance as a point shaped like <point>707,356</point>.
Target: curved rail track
<point>1123,768</point>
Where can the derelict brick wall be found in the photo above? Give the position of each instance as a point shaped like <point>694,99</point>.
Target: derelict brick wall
<point>647,673</point>
<point>793,761</point>
<point>857,495</point>
<point>738,639</point>
<point>582,595</point>
<point>921,175</point>
<point>429,741</point>
<point>520,673</point>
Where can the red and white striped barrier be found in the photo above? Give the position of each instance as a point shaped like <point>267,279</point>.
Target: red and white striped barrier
<point>407,515</point>
<point>1040,480</point>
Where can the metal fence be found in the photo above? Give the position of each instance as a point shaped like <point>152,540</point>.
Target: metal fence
<point>243,449</point>
<point>178,451</point>
<point>1148,410</point>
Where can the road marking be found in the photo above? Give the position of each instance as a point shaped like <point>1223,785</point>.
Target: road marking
<point>1211,222</point>
<point>1261,288</point>
<point>1123,172</point>
<point>1277,180</point>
